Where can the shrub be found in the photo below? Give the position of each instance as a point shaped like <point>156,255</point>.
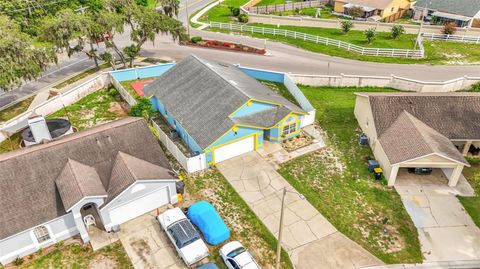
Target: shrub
<point>235,11</point>
<point>346,25</point>
<point>370,34</point>
<point>397,30</point>
<point>356,12</point>
<point>475,87</point>
<point>18,261</point>
<point>449,28</point>
<point>243,18</point>
<point>196,39</point>
<point>59,244</point>
<point>143,108</point>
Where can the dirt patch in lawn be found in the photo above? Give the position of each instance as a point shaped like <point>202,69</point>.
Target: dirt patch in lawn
<point>102,262</point>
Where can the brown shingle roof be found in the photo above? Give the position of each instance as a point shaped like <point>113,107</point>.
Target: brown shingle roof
<point>408,138</point>
<point>28,193</point>
<point>127,169</point>
<point>454,115</point>
<point>77,181</point>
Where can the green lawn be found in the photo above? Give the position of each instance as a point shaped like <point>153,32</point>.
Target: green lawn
<point>472,204</point>
<point>15,110</point>
<point>244,225</point>
<point>435,52</point>
<point>336,181</point>
<point>221,12</point>
<point>127,85</point>
<point>10,144</point>
<point>77,256</point>
<point>96,108</point>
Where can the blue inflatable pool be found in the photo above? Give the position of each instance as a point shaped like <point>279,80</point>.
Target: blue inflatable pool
<point>206,218</point>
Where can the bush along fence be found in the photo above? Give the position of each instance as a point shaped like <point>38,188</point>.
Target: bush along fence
<point>285,7</point>
<point>379,52</point>
<point>454,38</point>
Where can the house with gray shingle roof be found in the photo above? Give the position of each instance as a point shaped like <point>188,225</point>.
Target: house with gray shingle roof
<point>219,110</point>
<point>420,130</point>
<point>103,176</point>
<point>462,12</point>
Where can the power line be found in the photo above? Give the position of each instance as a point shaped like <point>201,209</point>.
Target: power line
<point>35,5</point>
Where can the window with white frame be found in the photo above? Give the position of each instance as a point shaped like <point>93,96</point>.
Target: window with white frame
<point>290,128</point>
<point>41,233</point>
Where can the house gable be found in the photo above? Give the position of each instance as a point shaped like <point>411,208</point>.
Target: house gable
<point>251,107</point>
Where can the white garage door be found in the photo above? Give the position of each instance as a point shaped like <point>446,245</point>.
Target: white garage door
<point>139,206</point>
<point>234,149</point>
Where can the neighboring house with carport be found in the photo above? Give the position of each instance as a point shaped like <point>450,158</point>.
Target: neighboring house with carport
<point>465,13</point>
<point>387,10</point>
<point>420,130</point>
<point>219,110</point>
<point>103,176</point>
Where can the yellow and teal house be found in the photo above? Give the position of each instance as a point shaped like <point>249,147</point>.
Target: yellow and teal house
<point>220,111</point>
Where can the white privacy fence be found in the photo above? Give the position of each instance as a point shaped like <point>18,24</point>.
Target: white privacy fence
<point>190,164</point>
<point>455,38</point>
<point>121,90</point>
<point>396,82</point>
<point>380,52</point>
<point>54,104</point>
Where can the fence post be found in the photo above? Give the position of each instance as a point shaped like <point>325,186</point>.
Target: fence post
<point>317,39</point>
<point>393,52</point>
<point>295,35</point>
<point>304,36</point>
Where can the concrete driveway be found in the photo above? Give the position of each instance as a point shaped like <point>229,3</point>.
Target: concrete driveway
<point>147,245</point>
<point>310,240</point>
<point>446,231</point>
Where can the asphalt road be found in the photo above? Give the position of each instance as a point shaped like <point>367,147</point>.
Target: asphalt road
<point>282,58</point>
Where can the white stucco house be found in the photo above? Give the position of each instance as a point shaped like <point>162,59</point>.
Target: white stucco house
<point>103,176</point>
<point>420,130</point>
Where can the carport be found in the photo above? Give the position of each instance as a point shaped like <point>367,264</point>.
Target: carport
<point>443,167</point>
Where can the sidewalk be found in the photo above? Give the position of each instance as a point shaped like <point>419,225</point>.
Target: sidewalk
<point>310,240</point>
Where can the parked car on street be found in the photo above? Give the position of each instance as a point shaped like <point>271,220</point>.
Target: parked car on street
<point>236,256</point>
<point>183,235</point>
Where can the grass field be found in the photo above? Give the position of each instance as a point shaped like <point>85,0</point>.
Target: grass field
<point>437,52</point>
<point>96,108</point>
<point>472,204</point>
<point>336,181</point>
<point>15,110</point>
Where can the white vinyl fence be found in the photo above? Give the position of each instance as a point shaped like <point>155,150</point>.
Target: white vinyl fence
<point>190,164</point>
<point>125,95</point>
<point>380,52</point>
<point>454,38</point>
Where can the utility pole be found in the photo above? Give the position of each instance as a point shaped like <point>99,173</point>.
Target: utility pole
<point>425,9</point>
<point>188,18</point>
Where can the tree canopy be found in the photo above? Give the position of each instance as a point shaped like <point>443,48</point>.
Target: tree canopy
<point>21,59</point>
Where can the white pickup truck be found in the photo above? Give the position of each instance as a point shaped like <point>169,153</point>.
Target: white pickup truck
<point>183,235</point>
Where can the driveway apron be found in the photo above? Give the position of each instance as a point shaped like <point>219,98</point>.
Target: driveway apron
<point>446,231</point>
<point>310,240</point>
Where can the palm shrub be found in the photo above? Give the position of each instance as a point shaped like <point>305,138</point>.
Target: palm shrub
<point>243,18</point>
<point>143,108</point>
<point>475,87</point>
<point>370,34</point>
<point>346,26</point>
<point>396,31</point>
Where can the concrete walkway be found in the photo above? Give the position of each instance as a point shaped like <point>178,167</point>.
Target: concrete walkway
<point>310,240</point>
<point>446,231</point>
